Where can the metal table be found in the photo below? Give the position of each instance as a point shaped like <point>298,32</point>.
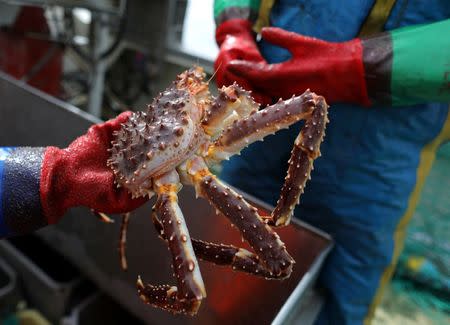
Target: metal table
<point>28,117</point>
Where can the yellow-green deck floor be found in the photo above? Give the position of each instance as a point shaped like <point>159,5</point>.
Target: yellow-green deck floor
<point>432,215</point>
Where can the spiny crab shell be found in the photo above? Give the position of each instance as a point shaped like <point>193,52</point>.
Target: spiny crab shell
<point>183,132</point>
<point>154,142</point>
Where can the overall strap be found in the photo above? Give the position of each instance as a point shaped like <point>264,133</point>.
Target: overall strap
<point>377,17</point>
<point>374,22</point>
<point>263,15</point>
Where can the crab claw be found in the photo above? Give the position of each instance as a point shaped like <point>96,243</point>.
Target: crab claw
<point>167,297</point>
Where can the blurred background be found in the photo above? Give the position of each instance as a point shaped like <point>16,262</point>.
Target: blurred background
<point>105,56</point>
<point>108,56</point>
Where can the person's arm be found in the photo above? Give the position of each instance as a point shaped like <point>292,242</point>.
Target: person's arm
<point>38,185</point>
<point>243,10</point>
<point>236,39</point>
<point>20,204</point>
<point>401,67</point>
<point>417,65</point>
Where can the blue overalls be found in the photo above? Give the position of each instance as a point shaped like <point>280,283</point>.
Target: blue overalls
<point>374,162</point>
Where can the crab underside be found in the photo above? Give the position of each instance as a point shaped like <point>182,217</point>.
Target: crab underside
<point>184,131</point>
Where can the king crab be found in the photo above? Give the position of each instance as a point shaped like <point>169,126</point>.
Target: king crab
<point>184,131</point>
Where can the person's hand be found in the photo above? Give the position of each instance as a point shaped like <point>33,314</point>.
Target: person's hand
<point>333,70</point>
<point>78,175</point>
<point>237,42</point>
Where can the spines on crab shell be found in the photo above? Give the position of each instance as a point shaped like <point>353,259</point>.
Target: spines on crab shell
<point>306,149</point>
<point>166,298</point>
<point>259,235</point>
<point>309,107</point>
<point>190,283</point>
<point>131,152</point>
<point>193,81</point>
<point>265,241</point>
<point>232,103</point>
<point>260,124</point>
<point>239,259</point>
<point>171,226</point>
<point>313,132</point>
<point>162,296</point>
<point>149,142</point>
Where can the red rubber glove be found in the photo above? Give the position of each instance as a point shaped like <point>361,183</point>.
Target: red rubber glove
<point>237,42</point>
<point>333,70</point>
<point>78,175</point>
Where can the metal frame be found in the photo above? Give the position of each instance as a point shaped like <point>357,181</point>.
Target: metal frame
<point>285,315</point>
<point>92,5</point>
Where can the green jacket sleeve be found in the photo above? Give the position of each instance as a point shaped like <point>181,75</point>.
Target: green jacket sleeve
<point>410,65</point>
<point>235,9</point>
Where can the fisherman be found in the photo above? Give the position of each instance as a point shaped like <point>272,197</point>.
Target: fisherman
<point>384,67</point>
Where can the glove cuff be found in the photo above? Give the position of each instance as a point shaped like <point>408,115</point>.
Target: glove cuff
<point>349,74</point>
<point>235,27</point>
<point>54,188</point>
<point>20,204</point>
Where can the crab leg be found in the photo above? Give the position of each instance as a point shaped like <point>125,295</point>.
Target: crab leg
<point>308,106</point>
<point>231,104</point>
<point>102,216</point>
<point>266,243</point>
<point>190,290</point>
<point>306,150</point>
<point>239,259</point>
<point>123,240</point>
<point>260,124</point>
